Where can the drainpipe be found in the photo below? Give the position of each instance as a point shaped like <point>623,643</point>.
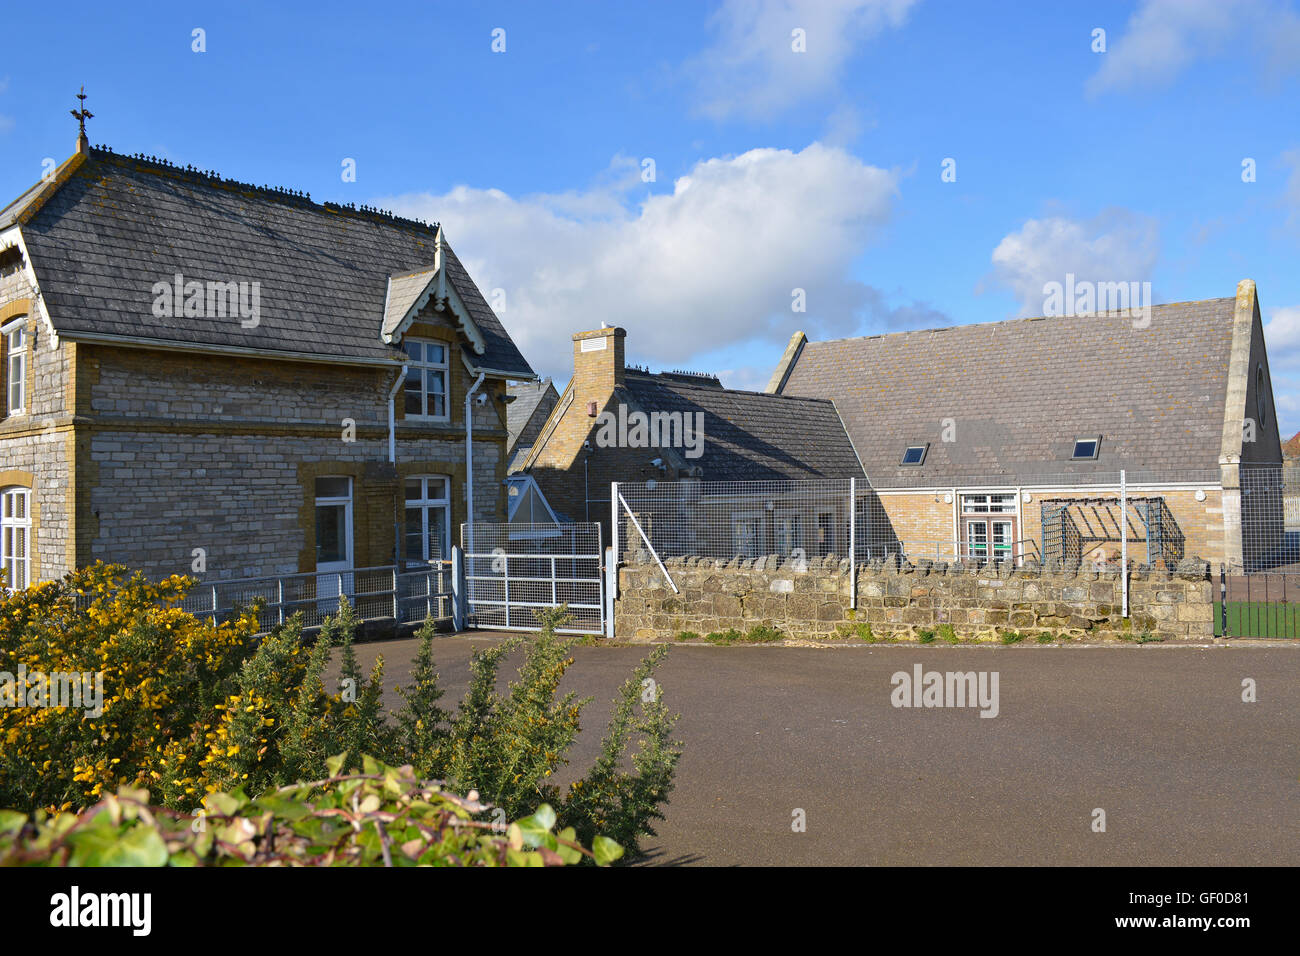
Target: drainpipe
<point>469,463</point>
<point>392,426</point>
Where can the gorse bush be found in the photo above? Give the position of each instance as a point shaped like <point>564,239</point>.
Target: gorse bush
<point>191,709</point>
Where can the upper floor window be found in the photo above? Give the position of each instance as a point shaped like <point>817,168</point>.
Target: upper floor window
<point>426,379</point>
<point>15,345</point>
<point>15,536</point>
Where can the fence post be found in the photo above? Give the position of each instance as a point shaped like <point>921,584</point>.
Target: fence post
<point>1223,600</point>
<point>853,542</point>
<point>458,588</point>
<point>613,527</point>
<point>1123,536</point>
<point>611,585</point>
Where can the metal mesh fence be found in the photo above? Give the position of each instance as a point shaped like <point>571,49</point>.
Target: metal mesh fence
<point>1270,535</point>
<point>1057,518</point>
<point>514,570</point>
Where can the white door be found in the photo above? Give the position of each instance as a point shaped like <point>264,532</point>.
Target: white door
<point>333,539</point>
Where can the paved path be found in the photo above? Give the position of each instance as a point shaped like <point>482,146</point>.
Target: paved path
<point>1156,736</point>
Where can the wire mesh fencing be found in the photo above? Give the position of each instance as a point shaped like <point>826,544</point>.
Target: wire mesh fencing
<point>980,521</point>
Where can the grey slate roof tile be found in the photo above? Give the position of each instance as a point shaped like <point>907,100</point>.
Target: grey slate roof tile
<point>1020,392</point>
<point>118,225</point>
<point>750,436</point>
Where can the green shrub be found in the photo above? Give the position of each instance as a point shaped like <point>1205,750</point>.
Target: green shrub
<point>925,637</point>
<point>1010,637</point>
<point>688,636</point>
<point>1146,637</point>
<point>759,634</point>
<point>861,630</point>
<point>191,709</point>
<point>1044,637</point>
<point>382,816</point>
<point>948,634</point>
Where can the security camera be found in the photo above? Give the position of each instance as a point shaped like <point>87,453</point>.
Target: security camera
<point>481,398</point>
<point>658,462</point>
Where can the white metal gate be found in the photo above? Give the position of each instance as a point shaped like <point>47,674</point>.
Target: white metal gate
<point>512,570</point>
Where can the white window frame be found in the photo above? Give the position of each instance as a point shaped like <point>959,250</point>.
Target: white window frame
<point>924,449</point>
<point>425,504</point>
<point>984,503</point>
<point>419,368</point>
<point>10,528</point>
<point>1096,448</point>
<point>15,353</point>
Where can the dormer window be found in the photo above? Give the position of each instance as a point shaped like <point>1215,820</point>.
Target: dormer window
<point>426,379</point>
<point>1085,449</point>
<point>915,455</point>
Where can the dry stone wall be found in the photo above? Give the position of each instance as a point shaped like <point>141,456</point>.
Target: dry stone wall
<point>812,599</point>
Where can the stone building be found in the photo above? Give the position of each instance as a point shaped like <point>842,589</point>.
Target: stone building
<point>1005,439</point>
<point>206,375</point>
<point>620,423</point>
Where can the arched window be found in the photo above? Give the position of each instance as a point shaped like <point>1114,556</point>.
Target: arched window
<point>16,536</point>
<point>427,535</point>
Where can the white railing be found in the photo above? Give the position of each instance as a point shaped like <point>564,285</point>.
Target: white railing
<point>376,593</point>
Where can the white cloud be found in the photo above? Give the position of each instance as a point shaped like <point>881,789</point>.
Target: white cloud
<point>707,266</point>
<point>1115,246</point>
<point>1164,37</point>
<point>1282,335</point>
<point>752,69</point>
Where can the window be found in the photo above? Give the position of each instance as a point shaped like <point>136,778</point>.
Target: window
<point>745,534</point>
<point>1085,448</point>
<point>426,379</point>
<point>789,532</point>
<point>915,455</point>
<point>15,536</point>
<point>428,520</point>
<point>333,523</point>
<point>988,504</point>
<point>825,533</point>
<point>16,368</point>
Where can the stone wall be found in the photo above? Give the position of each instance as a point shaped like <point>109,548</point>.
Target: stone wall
<point>812,600</point>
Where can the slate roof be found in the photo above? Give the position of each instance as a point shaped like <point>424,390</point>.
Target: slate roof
<point>119,224</point>
<point>750,436</point>
<point>1020,392</point>
<point>527,397</point>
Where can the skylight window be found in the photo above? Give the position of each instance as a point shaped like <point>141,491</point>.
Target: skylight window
<point>1086,448</point>
<point>915,454</point>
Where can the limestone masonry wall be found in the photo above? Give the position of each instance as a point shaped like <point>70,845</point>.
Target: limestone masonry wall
<point>811,599</point>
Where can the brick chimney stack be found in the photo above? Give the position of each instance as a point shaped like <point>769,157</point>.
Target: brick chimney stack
<point>597,363</point>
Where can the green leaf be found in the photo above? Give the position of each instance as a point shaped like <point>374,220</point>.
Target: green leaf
<point>11,821</point>
<point>605,850</point>
<point>138,846</point>
<point>545,816</point>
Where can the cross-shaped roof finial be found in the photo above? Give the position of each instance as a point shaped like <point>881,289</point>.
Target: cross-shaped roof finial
<point>81,115</point>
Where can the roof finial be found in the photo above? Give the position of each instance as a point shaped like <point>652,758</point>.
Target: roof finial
<point>81,115</point>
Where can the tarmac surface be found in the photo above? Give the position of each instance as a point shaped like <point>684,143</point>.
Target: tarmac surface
<point>1158,737</point>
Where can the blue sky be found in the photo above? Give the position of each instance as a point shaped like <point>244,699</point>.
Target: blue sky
<point>774,169</point>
